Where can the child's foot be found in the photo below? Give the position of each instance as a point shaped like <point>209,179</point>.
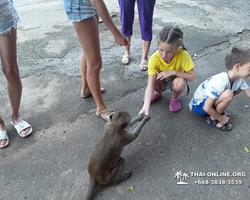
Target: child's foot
<point>86,94</point>
<point>4,139</point>
<point>144,65</point>
<point>22,127</point>
<point>125,59</point>
<point>104,114</point>
<point>215,123</point>
<point>175,105</point>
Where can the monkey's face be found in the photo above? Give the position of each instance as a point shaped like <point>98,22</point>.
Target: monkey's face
<point>122,119</point>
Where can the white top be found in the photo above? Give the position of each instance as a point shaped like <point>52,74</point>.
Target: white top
<point>214,86</point>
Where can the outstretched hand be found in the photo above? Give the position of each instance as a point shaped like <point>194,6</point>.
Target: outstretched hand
<point>146,117</point>
<point>144,112</point>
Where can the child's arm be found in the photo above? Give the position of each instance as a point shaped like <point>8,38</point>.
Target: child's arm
<point>247,92</point>
<point>237,92</point>
<point>102,10</point>
<point>208,108</point>
<point>188,76</point>
<point>148,95</point>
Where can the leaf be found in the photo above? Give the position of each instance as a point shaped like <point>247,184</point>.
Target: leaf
<point>246,149</point>
<point>131,188</point>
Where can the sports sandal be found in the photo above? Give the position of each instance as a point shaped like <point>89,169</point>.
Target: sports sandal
<point>224,127</point>
<point>125,59</point>
<point>88,94</point>
<point>4,136</point>
<point>107,118</point>
<point>144,65</point>
<point>175,105</point>
<point>154,97</point>
<point>21,126</point>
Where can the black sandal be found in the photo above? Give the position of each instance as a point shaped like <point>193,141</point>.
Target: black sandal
<point>213,123</point>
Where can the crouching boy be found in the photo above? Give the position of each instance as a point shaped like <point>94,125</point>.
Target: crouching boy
<point>214,95</point>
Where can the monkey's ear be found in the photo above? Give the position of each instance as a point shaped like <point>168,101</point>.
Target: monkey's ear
<point>123,125</point>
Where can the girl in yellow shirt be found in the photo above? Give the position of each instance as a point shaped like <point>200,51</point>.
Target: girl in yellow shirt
<point>170,67</point>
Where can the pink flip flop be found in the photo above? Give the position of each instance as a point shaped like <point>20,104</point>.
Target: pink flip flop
<point>154,98</point>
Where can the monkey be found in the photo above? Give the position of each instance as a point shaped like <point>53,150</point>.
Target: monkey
<point>106,164</point>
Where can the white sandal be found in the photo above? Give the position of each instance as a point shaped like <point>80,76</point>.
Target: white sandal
<point>21,126</point>
<point>4,136</point>
<point>144,65</point>
<point>125,59</point>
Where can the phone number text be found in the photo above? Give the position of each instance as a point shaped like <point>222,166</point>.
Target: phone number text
<point>219,182</point>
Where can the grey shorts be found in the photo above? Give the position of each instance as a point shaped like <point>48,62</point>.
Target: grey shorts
<point>78,10</point>
<point>8,17</point>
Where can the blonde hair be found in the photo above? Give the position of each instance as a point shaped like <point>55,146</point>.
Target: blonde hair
<point>171,35</point>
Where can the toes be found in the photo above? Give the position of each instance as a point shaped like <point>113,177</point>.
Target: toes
<point>25,131</point>
<point>3,142</point>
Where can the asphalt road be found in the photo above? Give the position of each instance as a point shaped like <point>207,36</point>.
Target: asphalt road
<point>51,164</point>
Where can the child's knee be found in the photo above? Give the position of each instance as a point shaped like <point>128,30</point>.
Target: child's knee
<point>159,84</point>
<point>178,84</point>
<point>228,95</point>
<point>95,65</point>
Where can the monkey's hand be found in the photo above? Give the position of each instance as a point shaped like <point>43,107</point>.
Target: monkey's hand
<point>139,127</point>
<point>146,117</point>
<point>140,116</point>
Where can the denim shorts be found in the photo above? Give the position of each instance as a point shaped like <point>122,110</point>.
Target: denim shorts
<point>168,85</point>
<point>8,17</point>
<point>78,10</point>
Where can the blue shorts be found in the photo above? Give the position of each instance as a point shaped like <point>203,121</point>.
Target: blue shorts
<point>198,109</point>
<point>78,10</point>
<point>8,17</point>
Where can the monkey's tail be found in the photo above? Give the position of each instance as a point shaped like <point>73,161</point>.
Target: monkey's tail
<point>91,190</point>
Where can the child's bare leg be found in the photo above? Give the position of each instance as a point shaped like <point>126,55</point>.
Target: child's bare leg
<point>125,58</point>
<point>178,85</point>
<point>127,48</point>
<point>11,72</point>
<point>85,87</point>
<point>87,31</point>
<point>83,66</point>
<point>145,49</point>
<point>223,101</point>
<point>2,127</point>
<point>159,85</point>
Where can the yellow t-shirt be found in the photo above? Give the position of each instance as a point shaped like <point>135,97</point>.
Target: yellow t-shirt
<point>180,62</point>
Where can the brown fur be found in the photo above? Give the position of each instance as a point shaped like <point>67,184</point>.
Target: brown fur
<point>105,164</point>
